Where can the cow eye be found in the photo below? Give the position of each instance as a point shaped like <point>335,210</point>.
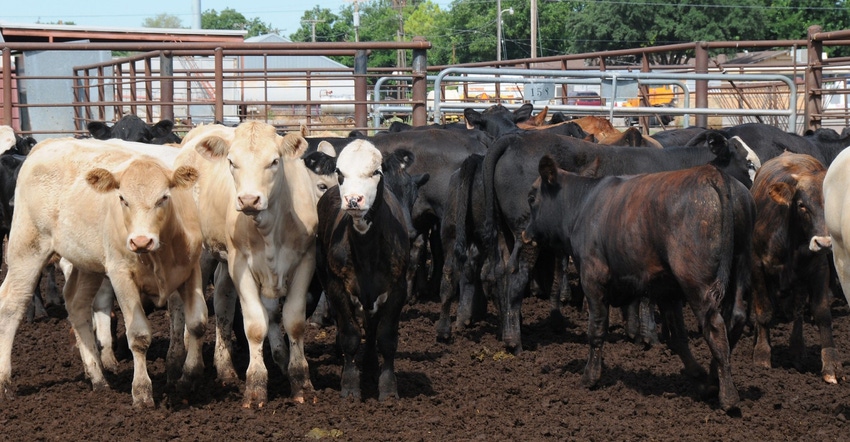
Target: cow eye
<point>162,201</point>
<point>801,207</point>
<point>323,187</point>
<point>123,201</point>
<point>377,172</point>
<point>274,163</point>
<point>751,165</point>
<point>531,199</point>
<point>339,177</point>
<point>230,162</point>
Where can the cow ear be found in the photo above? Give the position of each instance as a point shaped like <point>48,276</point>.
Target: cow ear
<point>540,118</point>
<point>7,138</point>
<point>293,145</point>
<point>212,147</point>
<point>523,113</point>
<point>591,169</point>
<point>405,157</point>
<point>781,193</point>
<point>548,170</point>
<point>184,176</point>
<point>102,180</point>
<point>718,144</point>
<point>422,179</point>
<point>320,163</point>
<point>163,128</point>
<point>326,148</point>
<point>99,130</point>
<point>472,117</point>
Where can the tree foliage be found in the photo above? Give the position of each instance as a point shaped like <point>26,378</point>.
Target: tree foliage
<point>466,31</point>
<point>163,20</point>
<point>230,19</point>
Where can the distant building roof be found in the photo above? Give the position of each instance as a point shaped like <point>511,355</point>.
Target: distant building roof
<point>267,38</point>
<point>42,33</point>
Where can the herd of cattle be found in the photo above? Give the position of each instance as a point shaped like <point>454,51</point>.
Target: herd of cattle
<point>746,225</point>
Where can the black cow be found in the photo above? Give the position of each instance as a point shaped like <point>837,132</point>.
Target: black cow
<point>363,254</point>
<point>790,258</point>
<point>133,128</point>
<point>669,235</point>
<point>677,137</point>
<point>509,169</point>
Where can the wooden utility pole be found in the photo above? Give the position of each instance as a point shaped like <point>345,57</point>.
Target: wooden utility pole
<point>398,5</point>
<point>313,25</point>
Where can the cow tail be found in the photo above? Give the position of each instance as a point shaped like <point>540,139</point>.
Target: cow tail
<point>727,239</point>
<point>491,221</point>
<point>464,195</point>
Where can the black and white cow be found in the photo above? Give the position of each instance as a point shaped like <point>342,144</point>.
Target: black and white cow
<point>363,253</point>
<point>669,235</point>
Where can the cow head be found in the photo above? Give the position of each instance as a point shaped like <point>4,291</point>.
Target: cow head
<point>731,157</point>
<point>256,155</point>
<point>497,120</point>
<point>321,165</point>
<point>403,185</point>
<point>543,213</point>
<point>7,138</point>
<point>133,128</point>
<point>360,178</point>
<point>802,196</point>
<point>143,189</point>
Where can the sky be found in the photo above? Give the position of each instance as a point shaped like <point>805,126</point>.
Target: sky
<point>284,15</point>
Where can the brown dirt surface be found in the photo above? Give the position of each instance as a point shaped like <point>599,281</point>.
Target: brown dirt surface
<point>467,390</point>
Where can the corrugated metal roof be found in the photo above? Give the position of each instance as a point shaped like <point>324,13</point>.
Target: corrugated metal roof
<point>37,32</point>
<point>311,62</point>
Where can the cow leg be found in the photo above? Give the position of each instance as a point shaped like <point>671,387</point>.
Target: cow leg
<point>51,294</point>
<point>176,356</point>
<point>762,311</point>
<point>797,342</point>
<point>714,332</point>
<point>347,338</point>
<point>517,276</point>
<point>15,295</point>
<point>678,338</point>
<point>295,324</point>
<point>256,322</point>
<point>387,341</point>
<point>104,300</point>
<point>189,322</point>
<point>417,276</point>
<point>79,291</point>
<point>820,304</point>
<point>597,330</point>
<point>224,304</point>
<point>138,336</point>
<point>449,286</point>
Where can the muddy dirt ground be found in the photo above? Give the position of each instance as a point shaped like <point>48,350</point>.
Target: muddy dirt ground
<point>467,390</point>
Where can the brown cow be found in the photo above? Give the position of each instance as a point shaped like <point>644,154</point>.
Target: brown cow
<point>790,257</point>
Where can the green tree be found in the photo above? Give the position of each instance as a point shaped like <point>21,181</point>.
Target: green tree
<point>790,19</point>
<point>163,21</point>
<point>595,26</point>
<point>232,20</point>
<point>330,27</point>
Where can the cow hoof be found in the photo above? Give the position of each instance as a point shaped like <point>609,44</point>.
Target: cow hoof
<point>832,371</point>
<point>8,391</point>
<point>387,386</point>
<point>255,398</point>
<point>143,403</point>
<point>227,378</point>
<point>100,386</point>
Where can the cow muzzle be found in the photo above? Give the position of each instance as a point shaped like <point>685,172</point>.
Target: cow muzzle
<point>820,243</point>
<point>142,244</point>
<point>354,202</point>
<point>250,203</point>
<point>527,239</point>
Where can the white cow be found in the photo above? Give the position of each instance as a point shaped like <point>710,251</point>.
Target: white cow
<point>110,212</point>
<point>259,206</point>
<point>836,208</point>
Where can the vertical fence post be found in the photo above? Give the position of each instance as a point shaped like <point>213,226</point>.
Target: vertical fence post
<point>814,80</point>
<point>7,87</point>
<point>361,59</point>
<point>701,67</point>
<point>219,85</point>
<point>420,72</point>
<point>166,86</point>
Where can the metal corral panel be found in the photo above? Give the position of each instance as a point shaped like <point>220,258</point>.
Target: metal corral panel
<point>53,63</point>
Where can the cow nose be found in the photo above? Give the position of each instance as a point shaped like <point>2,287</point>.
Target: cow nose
<point>141,244</point>
<point>249,202</point>
<point>820,243</point>
<point>353,201</point>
